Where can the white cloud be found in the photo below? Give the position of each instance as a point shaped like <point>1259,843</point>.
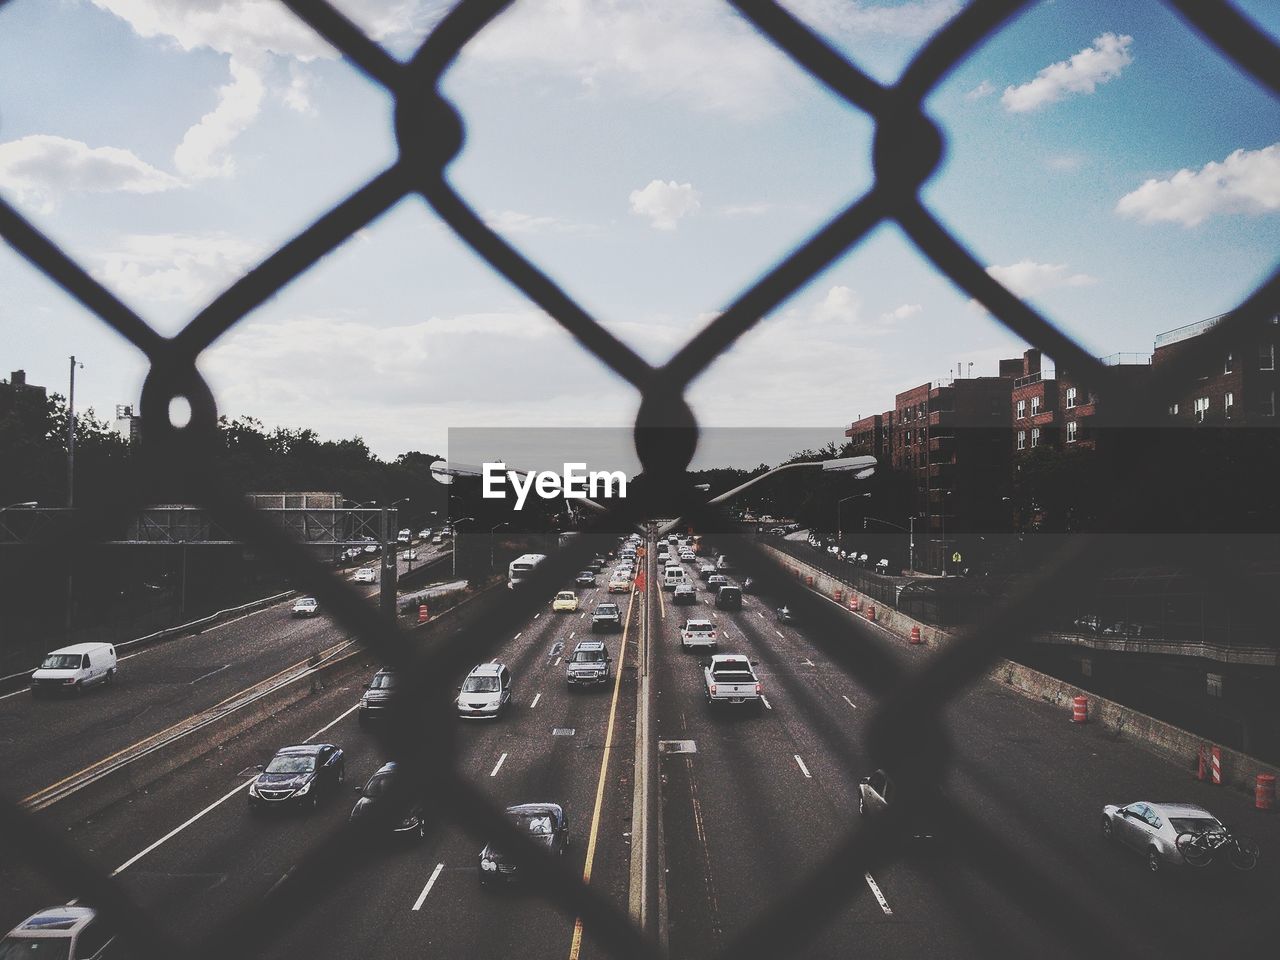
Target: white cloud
<point>1080,74</point>
<point>1026,278</point>
<point>665,203</point>
<point>40,169</point>
<point>1247,181</point>
<point>200,155</point>
<point>984,89</point>
<point>840,306</point>
<point>297,96</point>
<point>182,268</point>
<point>515,222</point>
<point>902,312</point>
<point>913,19</point>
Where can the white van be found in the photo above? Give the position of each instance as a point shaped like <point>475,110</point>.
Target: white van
<point>672,576</point>
<point>74,668</point>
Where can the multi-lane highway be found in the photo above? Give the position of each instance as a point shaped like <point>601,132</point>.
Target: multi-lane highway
<point>745,803</point>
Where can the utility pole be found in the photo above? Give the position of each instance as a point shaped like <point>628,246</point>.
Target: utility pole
<point>71,486</point>
<point>387,579</point>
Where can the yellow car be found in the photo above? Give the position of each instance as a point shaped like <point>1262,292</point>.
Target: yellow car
<point>565,601</point>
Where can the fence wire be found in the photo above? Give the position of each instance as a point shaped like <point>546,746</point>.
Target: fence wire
<point>908,733</point>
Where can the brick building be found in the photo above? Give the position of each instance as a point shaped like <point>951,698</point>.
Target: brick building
<point>1235,386</point>
<point>1060,411</point>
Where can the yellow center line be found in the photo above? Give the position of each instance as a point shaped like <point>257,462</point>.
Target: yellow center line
<point>575,945</point>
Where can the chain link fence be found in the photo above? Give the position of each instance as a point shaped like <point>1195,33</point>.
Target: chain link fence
<point>908,734</point>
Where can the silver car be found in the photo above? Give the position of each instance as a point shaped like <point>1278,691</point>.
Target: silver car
<point>1152,829</point>
<point>485,693</point>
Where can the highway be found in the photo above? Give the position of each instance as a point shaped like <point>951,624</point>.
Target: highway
<point>758,802</point>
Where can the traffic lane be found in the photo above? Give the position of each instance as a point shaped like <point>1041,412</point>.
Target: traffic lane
<point>228,859</point>
<point>50,738</point>
<point>744,806</point>
<point>447,911</point>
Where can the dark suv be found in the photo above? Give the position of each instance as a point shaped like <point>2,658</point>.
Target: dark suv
<point>544,823</point>
<point>377,696</point>
<point>606,618</point>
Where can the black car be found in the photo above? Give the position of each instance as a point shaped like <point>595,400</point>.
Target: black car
<point>605,618</point>
<point>377,696</point>
<point>729,598</point>
<point>297,776</point>
<point>587,578</point>
<point>597,563</point>
<point>544,823</point>
<point>374,809</point>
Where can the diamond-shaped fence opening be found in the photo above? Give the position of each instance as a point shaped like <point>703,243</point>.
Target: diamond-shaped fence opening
<point>908,734</point>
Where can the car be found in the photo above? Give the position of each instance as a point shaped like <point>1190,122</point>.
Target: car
<point>370,548</point>
<point>688,555</point>
<point>672,576</point>
<point>544,823</point>
<point>1152,829</point>
<point>699,635</point>
<point>366,575</point>
<point>377,696</point>
<point>424,533</point>
<point>606,617</point>
<point>566,601</point>
<point>619,583</point>
<point>305,607</point>
<point>729,597</point>
<point>373,808</point>
<point>587,578</point>
<point>877,792</point>
<point>404,536</point>
<point>70,931</point>
<point>588,665</point>
<point>716,581</point>
<point>597,563</point>
<point>707,570</point>
<point>486,692</point>
<point>685,594</point>
<point>438,538</point>
<point>409,555</point>
<point>730,680</point>
<point>75,669</point>
<point>297,776</point>
<point>785,615</point>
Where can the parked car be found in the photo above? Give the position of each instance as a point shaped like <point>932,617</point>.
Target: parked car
<point>404,536</point>
<point>588,665</point>
<point>606,617</point>
<point>377,696</point>
<point>566,601</point>
<point>373,807</point>
<point>60,932</point>
<point>297,776</point>
<point>438,538</point>
<point>1152,829</point>
<point>366,575</point>
<point>305,607</point>
<point>587,578</point>
<point>75,669</point>
<point>685,594</point>
<point>544,823</point>
<point>486,692</point>
<point>698,635</point>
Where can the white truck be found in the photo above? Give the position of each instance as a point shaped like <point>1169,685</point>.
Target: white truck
<point>698,635</point>
<point>730,680</point>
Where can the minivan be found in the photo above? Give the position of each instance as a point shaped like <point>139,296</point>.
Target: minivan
<point>75,668</point>
<point>673,576</point>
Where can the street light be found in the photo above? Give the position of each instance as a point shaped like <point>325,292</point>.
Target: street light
<point>504,523</point>
<point>454,524</point>
<point>23,505</point>
<point>909,530</point>
<point>839,519</point>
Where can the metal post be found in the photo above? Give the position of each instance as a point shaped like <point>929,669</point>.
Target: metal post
<point>182,597</point>
<point>71,437</point>
<point>911,544</point>
<point>387,581</point>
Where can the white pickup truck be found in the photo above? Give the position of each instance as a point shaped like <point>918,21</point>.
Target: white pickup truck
<point>730,679</point>
<point>698,635</point>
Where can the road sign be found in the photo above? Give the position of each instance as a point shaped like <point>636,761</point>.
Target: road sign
<point>956,558</point>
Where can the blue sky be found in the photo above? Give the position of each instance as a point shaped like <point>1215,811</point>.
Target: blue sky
<point>653,158</point>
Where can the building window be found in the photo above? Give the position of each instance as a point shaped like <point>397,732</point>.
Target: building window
<point>1022,439</point>
<point>1228,404</point>
<point>1173,409</point>
<point>1201,408</point>
<point>1269,405</point>
<point>1022,409</point>
<point>1035,406</point>
<point>1229,364</point>
<point>1266,356</point>
<point>1071,431</point>
<point>1071,397</point>
<point>1035,436</point>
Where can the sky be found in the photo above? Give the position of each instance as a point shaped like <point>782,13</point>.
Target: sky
<point>652,158</point>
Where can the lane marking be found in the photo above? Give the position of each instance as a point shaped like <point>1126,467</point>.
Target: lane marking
<point>517,636</point>
<point>575,945</point>
<point>536,698</point>
<point>557,663</point>
<point>803,768</point>
<point>806,662</point>
<point>498,766</point>
<point>572,634</point>
<point>849,702</point>
<point>765,701</point>
<point>221,800</point>
<point>536,616</point>
<point>417,904</point>
<point>778,632</point>
<point>875,889</point>
<point>209,674</point>
<point>582,614</point>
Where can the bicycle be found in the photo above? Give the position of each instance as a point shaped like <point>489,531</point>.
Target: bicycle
<point>1202,848</point>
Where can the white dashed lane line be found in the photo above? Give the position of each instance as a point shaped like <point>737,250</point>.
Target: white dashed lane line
<point>517,636</point>
<point>779,633</point>
<point>765,701</point>
<point>417,905</point>
<point>536,698</point>
<point>803,768</point>
<point>498,766</point>
<point>875,890</point>
<point>849,702</point>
